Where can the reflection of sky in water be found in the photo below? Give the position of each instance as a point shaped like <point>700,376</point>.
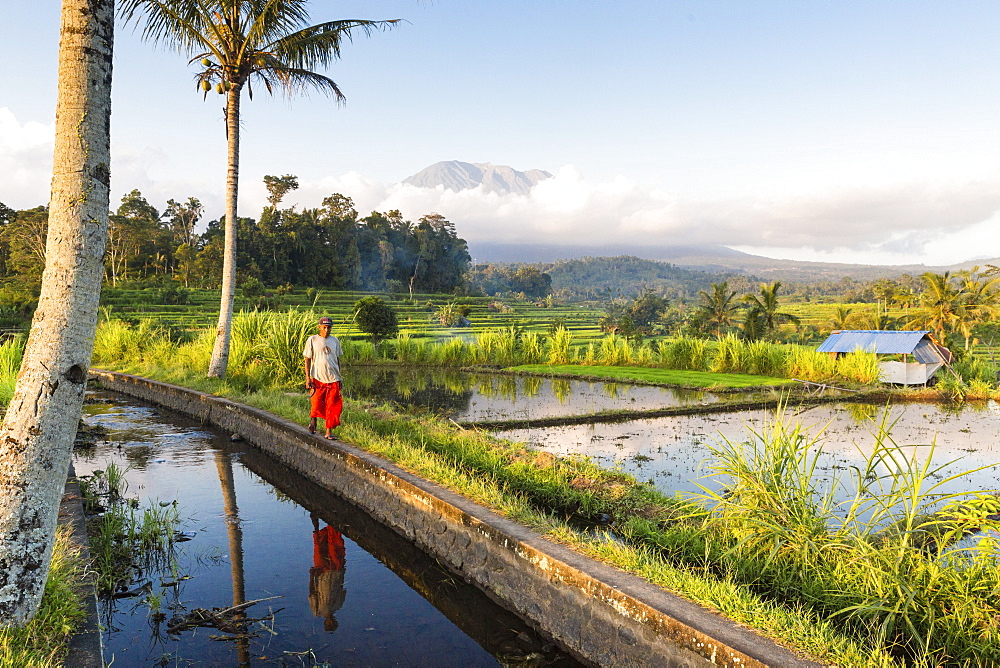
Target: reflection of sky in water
<point>673,452</point>
<point>480,397</point>
<point>530,398</point>
<point>171,458</point>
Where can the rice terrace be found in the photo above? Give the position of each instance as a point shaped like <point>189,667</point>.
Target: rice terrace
<point>721,387</point>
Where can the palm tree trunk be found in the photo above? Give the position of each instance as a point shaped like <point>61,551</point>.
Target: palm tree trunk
<point>38,430</point>
<point>220,353</point>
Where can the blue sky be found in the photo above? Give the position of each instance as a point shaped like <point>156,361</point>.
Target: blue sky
<point>854,131</point>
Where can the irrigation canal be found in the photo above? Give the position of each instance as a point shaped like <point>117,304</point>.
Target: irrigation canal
<point>338,588</point>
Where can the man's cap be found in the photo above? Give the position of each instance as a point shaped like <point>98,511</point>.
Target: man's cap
<point>325,321</point>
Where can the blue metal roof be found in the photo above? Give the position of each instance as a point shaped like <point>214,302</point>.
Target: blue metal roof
<point>883,342</point>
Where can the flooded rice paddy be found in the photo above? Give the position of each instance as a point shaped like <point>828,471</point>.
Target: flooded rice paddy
<point>335,586</point>
<point>470,397</point>
<point>674,452</point>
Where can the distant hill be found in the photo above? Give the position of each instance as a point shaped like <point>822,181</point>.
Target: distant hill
<point>456,175</point>
<point>627,276</point>
<point>711,259</point>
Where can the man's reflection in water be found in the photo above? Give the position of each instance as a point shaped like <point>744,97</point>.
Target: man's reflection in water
<point>326,577</point>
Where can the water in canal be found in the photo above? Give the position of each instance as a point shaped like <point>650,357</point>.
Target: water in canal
<point>472,397</point>
<point>340,588</point>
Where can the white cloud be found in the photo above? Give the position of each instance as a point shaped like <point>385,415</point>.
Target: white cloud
<point>896,223</point>
<point>25,161</point>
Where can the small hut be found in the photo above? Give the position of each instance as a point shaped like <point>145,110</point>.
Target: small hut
<point>927,355</point>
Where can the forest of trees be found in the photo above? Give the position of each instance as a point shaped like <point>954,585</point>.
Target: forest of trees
<point>328,247</point>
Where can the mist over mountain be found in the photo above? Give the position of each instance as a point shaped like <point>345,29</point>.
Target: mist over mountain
<point>707,258</point>
<point>587,219</point>
<point>456,175</point>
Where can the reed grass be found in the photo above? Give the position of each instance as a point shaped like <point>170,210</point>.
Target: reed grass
<point>878,549</point>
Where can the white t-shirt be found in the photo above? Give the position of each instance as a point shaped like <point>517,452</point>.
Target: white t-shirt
<point>325,355</point>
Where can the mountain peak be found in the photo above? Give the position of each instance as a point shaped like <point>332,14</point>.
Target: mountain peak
<point>457,175</point>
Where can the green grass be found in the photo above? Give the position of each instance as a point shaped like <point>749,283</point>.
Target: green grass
<point>691,379</point>
<point>44,640</point>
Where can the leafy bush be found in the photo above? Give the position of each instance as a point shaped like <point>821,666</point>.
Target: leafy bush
<point>375,318</point>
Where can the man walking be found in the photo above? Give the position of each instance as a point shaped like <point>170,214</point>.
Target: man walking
<point>322,361</point>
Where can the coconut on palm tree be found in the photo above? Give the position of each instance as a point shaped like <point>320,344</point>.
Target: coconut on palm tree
<point>236,44</point>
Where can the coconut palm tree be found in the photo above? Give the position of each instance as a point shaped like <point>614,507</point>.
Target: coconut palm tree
<point>717,310</point>
<point>841,317</point>
<point>764,315</point>
<point>40,424</point>
<point>942,309</point>
<point>238,43</point>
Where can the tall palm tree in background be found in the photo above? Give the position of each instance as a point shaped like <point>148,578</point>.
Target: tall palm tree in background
<point>841,317</point>
<point>981,300</point>
<point>238,43</point>
<point>942,307</point>
<point>765,314</point>
<point>717,310</point>
<point>36,439</point>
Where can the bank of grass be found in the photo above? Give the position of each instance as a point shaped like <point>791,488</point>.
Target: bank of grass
<point>44,640</point>
<point>705,380</point>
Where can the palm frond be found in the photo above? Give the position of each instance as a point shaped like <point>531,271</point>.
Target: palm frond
<point>319,45</point>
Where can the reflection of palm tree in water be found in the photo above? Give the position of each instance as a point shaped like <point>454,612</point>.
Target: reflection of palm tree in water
<point>326,577</point>
<point>232,515</point>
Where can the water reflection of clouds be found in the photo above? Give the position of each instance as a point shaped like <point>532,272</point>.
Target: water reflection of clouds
<point>677,447</point>
<point>509,397</point>
<point>479,397</point>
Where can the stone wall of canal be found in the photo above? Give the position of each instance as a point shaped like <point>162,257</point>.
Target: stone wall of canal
<point>598,613</point>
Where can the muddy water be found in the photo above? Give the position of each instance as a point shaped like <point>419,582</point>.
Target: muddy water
<point>673,452</point>
<point>341,588</point>
<point>469,397</point>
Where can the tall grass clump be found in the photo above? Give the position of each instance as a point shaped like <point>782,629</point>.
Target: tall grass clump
<point>730,355</point>
<point>532,349</point>
<point>497,347</point>
<point>879,550</point>
<point>406,348</point>
<point>686,353</point>
<point>120,341</point>
<point>614,350</point>
<point>453,352</point>
<point>765,359</point>
<point>247,337</point>
<point>284,339</point>
<point>859,366</point>
<point>359,352</point>
<point>974,368</point>
<point>808,364</point>
<point>560,346</point>
<point>11,352</point>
